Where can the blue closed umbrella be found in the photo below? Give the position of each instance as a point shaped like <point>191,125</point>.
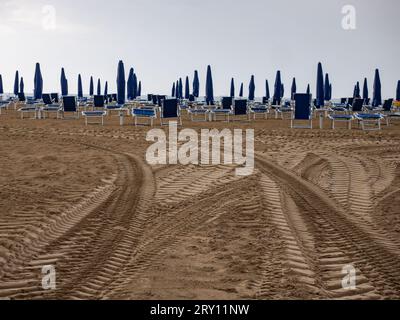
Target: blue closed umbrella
<point>308,89</point>
<point>196,84</point>
<point>106,89</point>
<point>121,84</point>
<point>233,88</point>
<point>320,87</point>
<point>282,90</point>
<point>180,89</point>
<point>177,89</point>
<point>16,83</point>
<point>187,89</point>
<point>377,99</point>
<point>294,88</point>
<point>129,88</point>
<point>252,89</point>
<point>135,86</point>
<point>173,90</point>
<point>64,83</point>
<point>267,93</point>
<point>357,91</point>
<point>91,88</point>
<point>327,91</point>
<point>38,83</point>
<point>398,91</point>
<point>365,90</point>
<point>80,86</point>
<point>98,87</point>
<point>1,85</point>
<point>21,85</point>
<point>241,90</point>
<point>330,91</point>
<point>209,87</point>
<point>278,86</point>
<point>139,90</point>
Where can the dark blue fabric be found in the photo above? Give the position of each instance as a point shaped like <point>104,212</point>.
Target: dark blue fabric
<point>209,87</point>
<point>80,87</point>
<point>64,83</point>
<point>106,89</point>
<point>121,84</point>
<point>398,91</point>
<point>327,89</point>
<point>303,108</point>
<point>294,88</point>
<point>38,83</point>
<point>91,88</point>
<point>98,101</point>
<point>54,96</point>
<point>196,84</point>
<point>21,85</point>
<point>365,90</point>
<point>267,93</point>
<point>357,105</point>
<point>129,88</point>
<point>98,87</point>
<point>144,112</point>
<point>187,88</point>
<point>47,99</point>
<point>240,107</point>
<point>387,105</point>
<point>252,89</point>
<point>1,85</point>
<point>16,83</point>
<point>377,99</point>
<point>69,104</point>
<point>170,108</point>
<point>233,88</point>
<point>226,102</point>
<point>320,87</point>
<point>278,86</point>
<point>241,90</point>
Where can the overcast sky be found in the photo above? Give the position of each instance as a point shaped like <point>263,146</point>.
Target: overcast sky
<point>167,39</point>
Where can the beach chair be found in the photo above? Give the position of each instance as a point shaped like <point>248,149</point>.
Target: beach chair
<point>69,105</point>
<point>145,113</point>
<point>358,105</point>
<point>94,117</point>
<point>225,110</point>
<point>49,106</point>
<point>285,110</point>
<point>302,112</point>
<point>259,109</point>
<point>4,105</point>
<point>387,111</point>
<point>25,107</point>
<point>344,116</point>
<point>54,97</point>
<point>240,109</point>
<point>369,121</point>
<point>198,113</point>
<point>170,110</point>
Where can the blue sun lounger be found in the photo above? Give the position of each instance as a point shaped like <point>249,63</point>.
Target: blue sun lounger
<point>49,106</point>
<point>369,121</point>
<point>146,113</point>
<point>170,110</point>
<point>302,111</point>
<point>225,110</point>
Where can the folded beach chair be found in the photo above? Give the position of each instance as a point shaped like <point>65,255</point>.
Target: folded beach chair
<point>69,105</point>
<point>225,110</point>
<point>240,109</point>
<point>145,113</point>
<point>170,110</point>
<point>302,111</point>
<point>49,106</point>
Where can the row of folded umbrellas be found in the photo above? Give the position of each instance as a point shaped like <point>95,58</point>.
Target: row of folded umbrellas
<point>132,88</point>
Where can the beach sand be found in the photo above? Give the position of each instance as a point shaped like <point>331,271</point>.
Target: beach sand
<point>84,200</point>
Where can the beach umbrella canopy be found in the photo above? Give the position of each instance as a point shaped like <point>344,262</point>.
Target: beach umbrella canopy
<point>196,84</point>
<point>282,90</point>
<point>1,85</point>
<point>267,93</point>
<point>252,89</point>
<point>209,87</point>
<point>21,85</point>
<point>365,90</point>
<point>98,87</point>
<point>294,88</point>
<point>121,84</point>
<point>241,90</point>
<point>177,89</point>
<point>139,90</point>
<point>330,91</point>
<point>187,89</point>
<point>308,89</point>
<point>180,89</point>
<point>135,86</point>
<point>80,87</point>
<point>320,87</point>
<point>233,88</point>
<point>38,83</point>
<point>398,91</point>
<point>16,83</point>
<point>129,88</point>
<point>278,86</point>
<point>377,99</point>
<point>327,86</point>
<point>64,83</point>
<point>106,89</point>
<point>357,90</point>
<point>91,89</point>
<point>173,90</point>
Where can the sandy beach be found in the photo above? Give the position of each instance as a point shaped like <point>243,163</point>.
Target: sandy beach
<point>84,200</point>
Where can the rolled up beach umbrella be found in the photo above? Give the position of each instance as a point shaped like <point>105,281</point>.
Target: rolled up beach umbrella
<point>177,89</point>
<point>135,86</point>
<point>38,83</point>
<point>278,86</point>
<point>187,88</point>
<point>98,87</point>
<point>365,90</point>
<point>16,83</point>
<point>21,86</point>
<point>1,85</point>
<point>398,91</point>
<point>233,88</point>
<point>121,84</point>
<point>196,84</point>
<point>180,89</point>
<point>320,102</point>
<point>106,89</point>
<point>267,93</point>
<point>252,89</point>
<point>282,90</point>
<point>294,88</point>
<point>173,90</point>
<point>330,91</point>
<point>327,86</point>
<point>377,99</point>
<point>91,88</point>
<point>209,87</point>
<point>80,87</point>
<point>357,90</point>
<point>64,83</point>
<point>241,90</point>
<point>139,90</point>
<point>308,89</point>
<point>129,87</point>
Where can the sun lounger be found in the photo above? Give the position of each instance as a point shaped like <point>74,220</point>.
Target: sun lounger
<point>346,118</point>
<point>69,105</point>
<point>90,115</point>
<point>146,113</point>
<point>302,111</point>
<point>225,110</point>
<point>369,121</point>
<point>170,110</point>
<point>259,109</point>
<point>198,114</point>
<point>240,109</point>
<point>49,106</point>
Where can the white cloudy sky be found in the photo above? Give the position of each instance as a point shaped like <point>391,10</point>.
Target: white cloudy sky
<point>167,39</point>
